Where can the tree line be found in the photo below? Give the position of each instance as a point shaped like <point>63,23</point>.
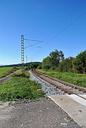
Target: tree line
<point>56,61</point>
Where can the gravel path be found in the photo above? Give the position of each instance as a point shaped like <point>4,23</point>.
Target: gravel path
<point>40,114</point>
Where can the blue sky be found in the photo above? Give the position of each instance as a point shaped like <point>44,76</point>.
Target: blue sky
<point>60,24</point>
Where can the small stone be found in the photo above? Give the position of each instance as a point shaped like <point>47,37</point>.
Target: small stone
<point>80,110</point>
<point>21,125</point>
<point>63,124</point>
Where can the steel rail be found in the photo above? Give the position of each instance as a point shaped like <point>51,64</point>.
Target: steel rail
<point>63,86</point>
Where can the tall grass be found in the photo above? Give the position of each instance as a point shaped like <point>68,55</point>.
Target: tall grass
<point>74,78</point>
<point>5,71</point>
<point>20,88</point>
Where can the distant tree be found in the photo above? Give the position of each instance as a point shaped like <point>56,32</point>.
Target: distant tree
<point>80,62</point>
<point>39,66</point>
<point>52,61</point>
<point>46,64</point>
<point>67,65</point>
<point>61,55</point>
<point>56,56</point>
<point>56,60</point>
<point>33,65</point>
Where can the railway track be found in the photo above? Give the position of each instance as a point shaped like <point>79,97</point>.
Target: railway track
<point>72,98</point>
<point>67,88</point>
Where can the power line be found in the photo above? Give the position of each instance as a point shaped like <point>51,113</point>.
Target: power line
<point>34,40</point>
<point>68,26</point>
<point>40,42</point>
<point>23,46</point>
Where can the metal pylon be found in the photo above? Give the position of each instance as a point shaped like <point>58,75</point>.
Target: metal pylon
<point>22,49</point>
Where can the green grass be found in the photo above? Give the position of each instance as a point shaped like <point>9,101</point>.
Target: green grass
<point>4,71</point>
<point>74,78</point>
<point>22,73</point>
<point>20,88</point>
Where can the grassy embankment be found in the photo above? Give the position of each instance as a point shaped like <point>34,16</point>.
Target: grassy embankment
<point>4,71</point>
<point>20,87</point>
<point>74,78</point>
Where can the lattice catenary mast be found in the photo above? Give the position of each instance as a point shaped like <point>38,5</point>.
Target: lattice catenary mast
<point>22,49</point>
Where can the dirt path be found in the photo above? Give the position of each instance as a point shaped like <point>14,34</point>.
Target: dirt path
<point>40,114</point>
<point>6,78</point>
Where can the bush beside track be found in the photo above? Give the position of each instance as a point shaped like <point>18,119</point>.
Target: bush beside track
<point>20,87</point>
